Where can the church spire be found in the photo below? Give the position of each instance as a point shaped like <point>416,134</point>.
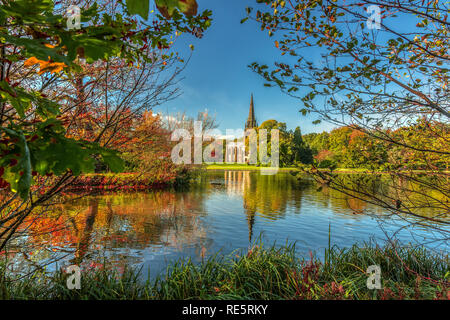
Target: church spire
<point>251,121</point>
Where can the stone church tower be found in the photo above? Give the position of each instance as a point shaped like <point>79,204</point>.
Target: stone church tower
<point>235,150</point>
<point>251,120</point>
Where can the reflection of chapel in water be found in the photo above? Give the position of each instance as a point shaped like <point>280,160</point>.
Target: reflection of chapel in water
<point>238,182</point>
<point>235,150</point>
<point>268,196</point>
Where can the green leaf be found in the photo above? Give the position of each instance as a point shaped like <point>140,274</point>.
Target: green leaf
<point>114,162</point>
<point>25,175</point>
<point>19,175</point>
<point>22,101</point>
<point>36,48</point>
<point>168,7</point>
<point>140,7</point>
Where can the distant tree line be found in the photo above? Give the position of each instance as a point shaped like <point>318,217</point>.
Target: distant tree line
<point>350,147</point>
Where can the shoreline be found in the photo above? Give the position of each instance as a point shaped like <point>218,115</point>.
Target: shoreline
<point>117,182</point>
<point>239,167</point>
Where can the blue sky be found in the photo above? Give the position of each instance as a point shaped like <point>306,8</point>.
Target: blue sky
<point>217,77</point>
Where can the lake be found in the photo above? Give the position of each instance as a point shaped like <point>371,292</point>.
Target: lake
<point>223,210</point>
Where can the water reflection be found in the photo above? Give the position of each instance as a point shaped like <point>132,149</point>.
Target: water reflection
<point>223,211</point>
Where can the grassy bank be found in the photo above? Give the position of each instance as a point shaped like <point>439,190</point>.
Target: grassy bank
<point>239,166</point>
<point>127,181</point>
<point>119,181</point>
<point>272,273</point>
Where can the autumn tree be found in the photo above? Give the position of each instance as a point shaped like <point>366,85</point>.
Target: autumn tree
<point>64,93</point>
<point>149,150</point>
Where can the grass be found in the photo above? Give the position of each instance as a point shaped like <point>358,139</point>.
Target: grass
<point>239,166</point>
<point>260,273</point>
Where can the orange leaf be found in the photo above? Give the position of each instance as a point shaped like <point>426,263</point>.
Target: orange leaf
<point>45,66</point>
<point>30,62</point>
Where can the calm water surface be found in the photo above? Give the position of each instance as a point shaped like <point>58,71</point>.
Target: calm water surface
<point>223,211</point>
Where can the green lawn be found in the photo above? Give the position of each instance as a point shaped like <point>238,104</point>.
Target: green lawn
<point>240,166</point>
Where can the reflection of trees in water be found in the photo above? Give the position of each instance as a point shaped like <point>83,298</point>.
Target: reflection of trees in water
<point>265,195</point>
<point>85,235</point>
<point>382,185</point>
<point>423,213</point>
<point>129,221</point>
<point>271,197</point>
<point>117,224</point>
<point>327,198</point>
<point>165,218</point>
